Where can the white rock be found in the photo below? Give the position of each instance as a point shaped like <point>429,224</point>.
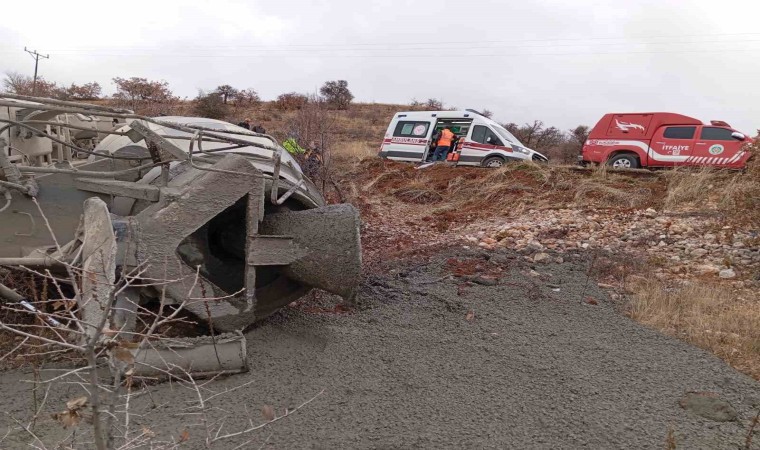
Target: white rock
<point>535,245</point>
<point>541,257</point>
<point>727,274</point>
<point>706,269</point>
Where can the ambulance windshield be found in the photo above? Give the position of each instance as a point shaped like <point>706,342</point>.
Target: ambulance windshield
<point>507,135</point>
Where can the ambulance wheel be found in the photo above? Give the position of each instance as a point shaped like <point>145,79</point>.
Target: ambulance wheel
<point>494,162</point>
<point>624,161</point>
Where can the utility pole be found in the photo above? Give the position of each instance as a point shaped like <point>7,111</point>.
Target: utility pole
<point>36,57</point>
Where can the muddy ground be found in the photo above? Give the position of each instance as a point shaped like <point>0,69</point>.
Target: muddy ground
<point>430,362</point>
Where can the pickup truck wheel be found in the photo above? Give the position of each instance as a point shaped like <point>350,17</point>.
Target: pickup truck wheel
<point>624,161</point>
<point>493,162</point>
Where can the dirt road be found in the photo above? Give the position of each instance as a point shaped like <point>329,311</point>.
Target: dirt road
<point>431,363</point>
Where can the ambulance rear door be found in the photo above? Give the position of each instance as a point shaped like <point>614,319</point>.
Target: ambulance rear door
<point>409,140</point>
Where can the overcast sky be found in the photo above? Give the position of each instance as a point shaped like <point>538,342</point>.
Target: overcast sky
<point>564,62</point>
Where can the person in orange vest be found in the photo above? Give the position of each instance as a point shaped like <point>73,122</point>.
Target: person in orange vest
<point>444,144</point>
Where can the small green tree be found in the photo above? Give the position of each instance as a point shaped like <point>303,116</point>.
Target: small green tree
<point>337,94</point>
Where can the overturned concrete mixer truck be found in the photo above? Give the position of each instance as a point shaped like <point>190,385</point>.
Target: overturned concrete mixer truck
<point>213,210</point>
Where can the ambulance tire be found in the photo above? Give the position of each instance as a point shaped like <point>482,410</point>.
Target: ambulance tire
<point>494,162</point>
<point>624,161</point>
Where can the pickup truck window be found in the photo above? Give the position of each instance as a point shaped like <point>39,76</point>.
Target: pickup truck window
<point>716,134</point>
<point>411,129</point>
<point>679,132</point>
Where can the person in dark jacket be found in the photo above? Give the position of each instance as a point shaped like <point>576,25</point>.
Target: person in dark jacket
<point>312,166</point>
<point>246,123</point>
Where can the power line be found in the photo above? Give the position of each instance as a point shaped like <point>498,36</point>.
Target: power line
<point>328,45</point>
<point>36,57</point>
<point>422,52</point>
<point>410,47</point>
<point>415,56</point>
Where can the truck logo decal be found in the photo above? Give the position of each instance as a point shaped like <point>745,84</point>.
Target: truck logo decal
<point>676,149</point>
<point>626,126</point>
<point>602,142</point>
<point>716,149</point>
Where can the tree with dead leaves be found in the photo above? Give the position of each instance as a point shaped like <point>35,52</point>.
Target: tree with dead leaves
<point>140,94</point>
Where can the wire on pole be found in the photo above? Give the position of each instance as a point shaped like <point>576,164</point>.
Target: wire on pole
<point>36,57</point>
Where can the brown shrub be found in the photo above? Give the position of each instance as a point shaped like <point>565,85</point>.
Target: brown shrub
<point>291,101</point>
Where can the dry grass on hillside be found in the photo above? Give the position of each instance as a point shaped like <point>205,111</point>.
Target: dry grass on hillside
<point>476,192</point>
<point>354,152</point>
<point>711,316</point>
<point>709,188</point>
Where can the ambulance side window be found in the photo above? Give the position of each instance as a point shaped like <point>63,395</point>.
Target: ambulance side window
<point>716,134</point>
<point>411,129</point>
<point>481,134</point>
<point>679,132</point>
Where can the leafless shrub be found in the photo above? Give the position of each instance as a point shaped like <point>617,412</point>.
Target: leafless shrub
<point>291,101</point>
<point>247,97</point>
<point>312,127</point>
<point>16,83</point>
<point>144,96</point>
<point>561,147</point>
<point>211,105</point>
<point>434,104</point>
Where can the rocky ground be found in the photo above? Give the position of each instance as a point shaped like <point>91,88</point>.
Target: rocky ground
<point>674,244</point>
<point>462,349</point>
<point>655,238</point>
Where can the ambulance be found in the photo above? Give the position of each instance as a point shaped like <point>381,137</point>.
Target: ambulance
<point>632,140</point>
<point>481,141</point>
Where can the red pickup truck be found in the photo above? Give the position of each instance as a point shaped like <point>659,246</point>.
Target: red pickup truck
<point>632,140</point>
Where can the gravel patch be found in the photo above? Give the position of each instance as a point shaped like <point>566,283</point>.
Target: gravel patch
<point>431,361</point>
